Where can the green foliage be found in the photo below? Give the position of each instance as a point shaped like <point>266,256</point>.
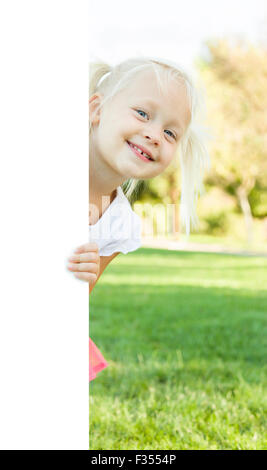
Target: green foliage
<point>258,202</point>
<point>185,338</point>
<point>216,223</point>
<point>236,90</point>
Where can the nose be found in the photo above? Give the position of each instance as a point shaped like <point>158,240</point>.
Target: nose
<point>153,136</point>
<point>153,140</point>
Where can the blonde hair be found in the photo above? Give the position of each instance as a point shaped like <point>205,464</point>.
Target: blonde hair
<point>193,155</point>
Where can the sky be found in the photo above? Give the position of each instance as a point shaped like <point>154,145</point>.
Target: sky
<point>175,30</point>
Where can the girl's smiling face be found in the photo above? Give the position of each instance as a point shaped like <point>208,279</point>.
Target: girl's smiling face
<point>140,115</point>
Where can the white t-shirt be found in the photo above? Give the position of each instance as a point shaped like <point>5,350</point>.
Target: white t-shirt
<point>118,229</point>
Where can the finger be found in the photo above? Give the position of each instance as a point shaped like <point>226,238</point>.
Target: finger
<point>87,277</point>
<point>83,267</point>
<point>92,257</point>
<point>87,247</point>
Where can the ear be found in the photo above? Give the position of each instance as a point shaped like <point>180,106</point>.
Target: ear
<point>94,111</point>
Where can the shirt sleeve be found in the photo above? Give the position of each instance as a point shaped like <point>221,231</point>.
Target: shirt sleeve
<point>129,241</point>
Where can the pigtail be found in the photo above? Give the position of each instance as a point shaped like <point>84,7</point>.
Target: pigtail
<point>194,160</point>
<point>97,70</point>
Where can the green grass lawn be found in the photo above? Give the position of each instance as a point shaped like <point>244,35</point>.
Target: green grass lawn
<point>185,338</point>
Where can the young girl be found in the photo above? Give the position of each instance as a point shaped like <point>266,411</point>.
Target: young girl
<point>142,116</point>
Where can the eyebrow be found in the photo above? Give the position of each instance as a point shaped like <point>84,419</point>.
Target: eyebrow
<point>155,103</point>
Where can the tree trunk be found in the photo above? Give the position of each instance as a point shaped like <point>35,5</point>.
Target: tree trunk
<point>242,194</point>
<point>174,193</point>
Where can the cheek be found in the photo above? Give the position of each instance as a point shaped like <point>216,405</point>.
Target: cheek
<point>168,155</point>
<point>111,138</point>
<point>107,133</point>
<point>129,123</point>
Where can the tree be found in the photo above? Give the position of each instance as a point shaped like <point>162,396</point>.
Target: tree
<point>236,82</point>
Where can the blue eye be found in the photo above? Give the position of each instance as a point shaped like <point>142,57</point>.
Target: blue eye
<point>140,111</point>
<point>172,134</point>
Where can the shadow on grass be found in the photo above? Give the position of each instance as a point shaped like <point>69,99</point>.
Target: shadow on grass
<point>128,315</point>
<point>211,324</point>
<point>179,349</point>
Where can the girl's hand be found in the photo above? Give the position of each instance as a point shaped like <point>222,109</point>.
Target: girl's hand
<point>85,263</point>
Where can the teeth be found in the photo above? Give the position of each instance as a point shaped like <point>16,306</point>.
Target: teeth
<point>140,151</point>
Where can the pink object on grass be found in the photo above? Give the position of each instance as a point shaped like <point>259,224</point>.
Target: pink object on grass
<point>96,361</point>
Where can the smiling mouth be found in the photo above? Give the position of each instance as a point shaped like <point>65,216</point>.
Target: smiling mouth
<point>144,156</point>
